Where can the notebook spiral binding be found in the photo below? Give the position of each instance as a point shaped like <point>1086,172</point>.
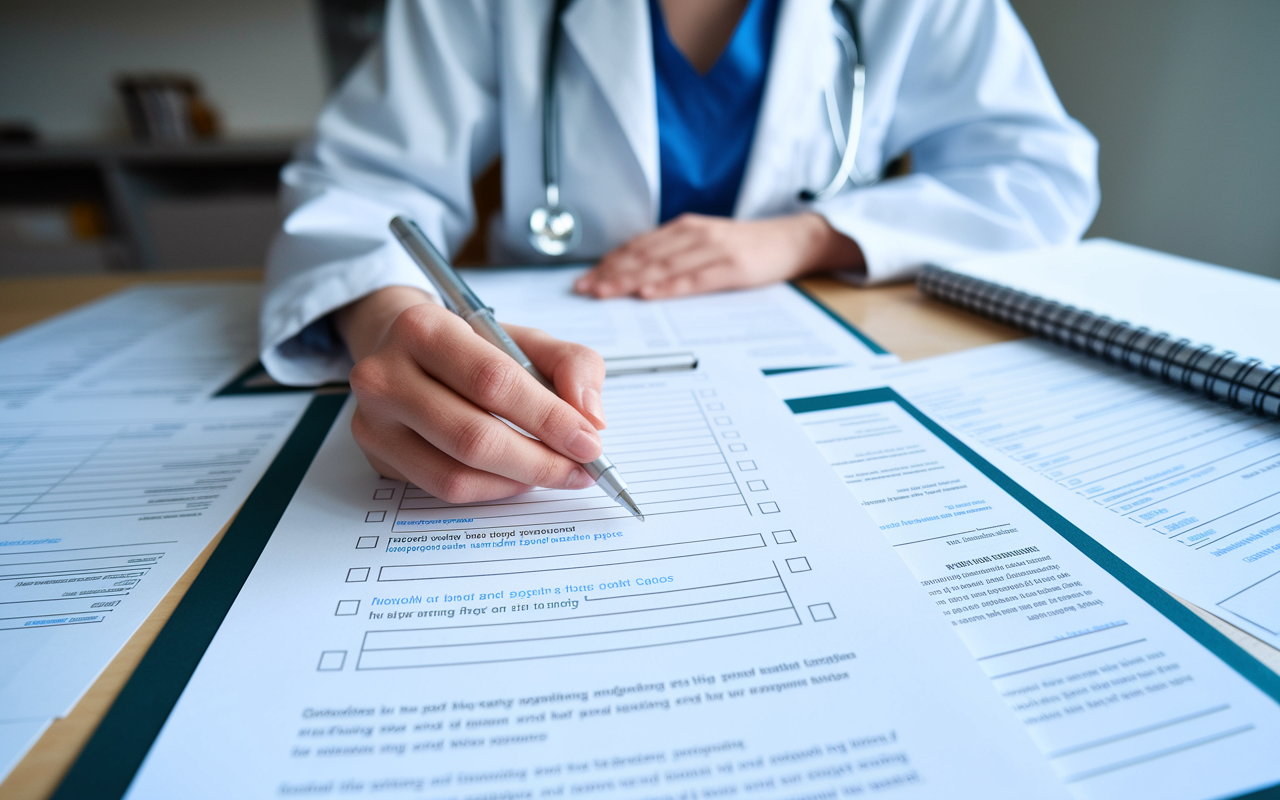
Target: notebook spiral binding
<point>1220,375</point>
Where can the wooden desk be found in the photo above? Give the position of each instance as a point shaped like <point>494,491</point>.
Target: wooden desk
<point>898,317</point>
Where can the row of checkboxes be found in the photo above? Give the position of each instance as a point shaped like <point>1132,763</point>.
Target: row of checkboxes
<point>335,660</point>
<point>379,516</point>
<point>361,574</point>
<point>746,464</point>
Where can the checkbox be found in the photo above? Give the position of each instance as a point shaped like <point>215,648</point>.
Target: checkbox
<point>349,608</point>
<point>737,448</point>
<point>375,516</point>
<point>747,466</point>
<point>332,660</point>
<point>799,564</point>
<point>723,421</point>
<point>707,392</point>
<point>383,494</point>
<point>784,537</point>
<point>715,406</point>
<point>821,612</point>
<point>357,575</point>
<point>366,542</point>
<point>757,486</point>
<point>729,434</point>
<point>769,508</point>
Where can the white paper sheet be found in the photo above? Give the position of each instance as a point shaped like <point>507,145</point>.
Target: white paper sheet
<point>16,738</point>
<point>772,327</point>
<point>1121,701</point>
<point>162,344</point>
<point>100,518</point>
<point>1184,489</point>
<point>116,471</point>
<point>1208,304</point>
<point>753,636</point>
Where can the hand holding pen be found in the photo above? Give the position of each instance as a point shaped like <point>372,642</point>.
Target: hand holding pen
<point>429,387</point>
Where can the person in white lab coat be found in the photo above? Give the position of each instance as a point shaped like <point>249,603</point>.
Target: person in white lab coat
<point>645,145</point>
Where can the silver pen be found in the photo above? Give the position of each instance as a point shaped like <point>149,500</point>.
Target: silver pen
<point>463,302</point>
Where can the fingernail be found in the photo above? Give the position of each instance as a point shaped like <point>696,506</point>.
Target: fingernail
<point>583,445</point>
<point>580,479</point>
<point>593,406</point>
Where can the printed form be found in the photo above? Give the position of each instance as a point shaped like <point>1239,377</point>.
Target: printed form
<point>1185,489</point>
<point>163,344</point>
<point>116,471</point>
<point>747,639</point>
<point>1121,701</point>
<point>775,326</point>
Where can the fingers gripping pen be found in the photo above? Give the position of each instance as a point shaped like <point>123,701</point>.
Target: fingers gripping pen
<point>463,302</point>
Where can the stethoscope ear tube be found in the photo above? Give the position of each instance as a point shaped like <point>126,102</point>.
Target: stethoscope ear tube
<point>851,41</point>
<point>550,110</point>
<point>851,144</point>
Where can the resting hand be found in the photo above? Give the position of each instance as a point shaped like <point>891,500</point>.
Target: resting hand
<point>693,254</point>
<point>427,387</point>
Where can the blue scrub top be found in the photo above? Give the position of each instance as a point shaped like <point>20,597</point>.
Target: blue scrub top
<point>706,122</point>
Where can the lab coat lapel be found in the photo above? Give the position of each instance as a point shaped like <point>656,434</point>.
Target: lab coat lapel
<point>800,65</point>
<point>612,38</point>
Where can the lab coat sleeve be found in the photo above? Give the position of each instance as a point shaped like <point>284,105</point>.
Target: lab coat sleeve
<point>997,164</point>
<point>406,133</point>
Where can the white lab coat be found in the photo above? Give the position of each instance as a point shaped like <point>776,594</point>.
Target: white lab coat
<point>997,162</point>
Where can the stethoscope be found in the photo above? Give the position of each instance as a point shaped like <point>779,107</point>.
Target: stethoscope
<point>553,227</point>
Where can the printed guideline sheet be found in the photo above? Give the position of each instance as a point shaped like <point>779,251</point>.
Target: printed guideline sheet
<point>1185,489</point>
<point>1121,701</point>
<point>117,468</point>
<point>753,636</point>
<point>161,346</point>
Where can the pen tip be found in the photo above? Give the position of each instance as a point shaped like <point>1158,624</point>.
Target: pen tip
<point>625,499</point>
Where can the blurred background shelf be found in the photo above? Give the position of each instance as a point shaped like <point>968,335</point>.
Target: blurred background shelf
<point>79,196</point>
<point>76,209</point>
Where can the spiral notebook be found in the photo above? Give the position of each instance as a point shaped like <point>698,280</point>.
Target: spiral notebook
<point>1211,329</point>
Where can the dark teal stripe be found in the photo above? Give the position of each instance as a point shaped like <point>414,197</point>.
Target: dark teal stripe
<point>842,322</point>
<point>240,384</point>
<point>771,371</point>
<point>1204,633</point>
<point>107,764</point>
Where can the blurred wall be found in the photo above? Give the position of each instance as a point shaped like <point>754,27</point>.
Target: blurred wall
<point>259,61</point>
<point>1184,96</point>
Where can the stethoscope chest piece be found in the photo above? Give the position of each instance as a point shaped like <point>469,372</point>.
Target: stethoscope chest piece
<point>553,228</point>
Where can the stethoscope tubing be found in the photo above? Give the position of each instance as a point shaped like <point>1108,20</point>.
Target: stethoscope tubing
<point>550,110</point>
<point>555,242</point>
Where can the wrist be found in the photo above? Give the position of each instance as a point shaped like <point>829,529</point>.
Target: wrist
<point>364,322</point>
<point>825,248</point>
